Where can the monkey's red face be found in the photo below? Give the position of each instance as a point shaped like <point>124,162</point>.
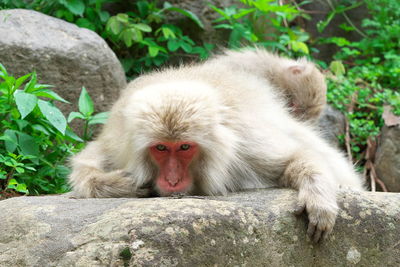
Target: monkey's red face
<point>173,160</point>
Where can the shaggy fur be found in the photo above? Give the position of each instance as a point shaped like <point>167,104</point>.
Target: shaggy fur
<point>235,107</point>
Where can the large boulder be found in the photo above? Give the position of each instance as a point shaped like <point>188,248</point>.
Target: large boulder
<point>62,54</point>
<point>255,228</point>
<point>387,158</point>
<point>332,124</point>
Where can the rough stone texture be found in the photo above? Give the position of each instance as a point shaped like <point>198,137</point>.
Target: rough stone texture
<point>62,54</point>
<point>245,229</point>
<point>332,124</point>
<point>387,158</point>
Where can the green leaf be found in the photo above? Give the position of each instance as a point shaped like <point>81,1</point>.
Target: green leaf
<point>19,170</point>
<point>143,27</point>
<point>337,67</point>
<point>127,35</point>
<point>103,15</point>
<point>53,115</point>
<point>122,17</point>
<point>153,51</point>
<point>85,23</point>
<point>50,94</point>
<point>219,11</point>
<point>28,145</point>
<point>31,84</point>
<point>114,25</point>
<point>12,182</point>
<point>74,115</point>
<point>186,13</point>
<point>21,188</point>
<point>186,47</point>
<point>40,128</point>
<point>73,135</point>
<point>86,106</point>
<point>77,7</point>
<point>168,33</point>
<point>3,71</point>
<point>21,80</point>
<point>299,46</point>
<point>173,45</point>
<point>25,102</point>
<point>137,35</point>
<point>11,141</point>
<point>22,124</point>
<point>99,118</point>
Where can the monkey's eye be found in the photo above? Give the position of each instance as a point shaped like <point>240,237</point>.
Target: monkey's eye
<point>185,147</point>
<point>161,147</point>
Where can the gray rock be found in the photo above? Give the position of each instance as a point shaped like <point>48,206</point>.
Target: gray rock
<point>387,158</point>
<point>332,124</point>
<point>245,229</point>
<point>62,54</point>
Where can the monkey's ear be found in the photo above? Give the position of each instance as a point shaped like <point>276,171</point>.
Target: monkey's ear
<point>297,69</point>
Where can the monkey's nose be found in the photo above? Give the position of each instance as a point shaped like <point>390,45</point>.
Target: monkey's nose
<point>173,181</point>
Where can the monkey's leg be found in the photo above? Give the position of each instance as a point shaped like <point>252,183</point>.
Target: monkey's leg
<point>89,180</point>
<point>317,193</point>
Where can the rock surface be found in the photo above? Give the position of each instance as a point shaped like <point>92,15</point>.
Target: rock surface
<point>387,158</point>
<point>245,229</point>
<point>62,54</point>
<point>332,124</point>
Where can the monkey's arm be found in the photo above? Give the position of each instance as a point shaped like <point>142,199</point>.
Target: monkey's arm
<point>300,81</point>
<point>317,192</point>
<point>88,178</point>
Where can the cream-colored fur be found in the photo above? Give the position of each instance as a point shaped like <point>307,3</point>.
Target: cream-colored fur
<point>234,108</point>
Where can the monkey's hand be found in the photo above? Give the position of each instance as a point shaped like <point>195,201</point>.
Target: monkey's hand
<point>321,208</point>
<point>96,183</point>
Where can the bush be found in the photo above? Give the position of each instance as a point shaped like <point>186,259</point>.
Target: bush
<point>372,78</point>
<point>36,139</point>
<point>264,23</point>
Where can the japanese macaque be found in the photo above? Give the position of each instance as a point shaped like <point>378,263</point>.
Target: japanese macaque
<point>238,121</point>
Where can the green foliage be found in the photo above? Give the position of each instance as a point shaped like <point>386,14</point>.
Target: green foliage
<point>147,41</point>
<point>35,137</point>
<point>372,78</point>
<point>86,110</point>
<point>85,13</point>
<point>35,140</point>
<point>264,23</point>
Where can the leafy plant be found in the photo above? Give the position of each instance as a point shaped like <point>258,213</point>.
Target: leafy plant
<point>35,139</point>
<point>85,13</point>
<point>371,79</point>
<point>147,40</point>
<point>264,23</point>
<point>86,110</point>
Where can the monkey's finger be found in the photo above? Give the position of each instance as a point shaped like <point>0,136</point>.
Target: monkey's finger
<point>299,209</point>
<point>311,229</point>
<point>326,234</point>
<point>317,235</point>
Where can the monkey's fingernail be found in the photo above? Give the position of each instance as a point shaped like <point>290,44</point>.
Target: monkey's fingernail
<point>325,235</point>
<point>317,235</point>
<point>311,229</point>
<point>299,209</point>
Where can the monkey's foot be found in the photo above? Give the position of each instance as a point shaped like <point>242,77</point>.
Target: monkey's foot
<point>321,216</point>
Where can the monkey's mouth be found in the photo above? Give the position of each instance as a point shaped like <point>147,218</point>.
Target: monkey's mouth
<point>164,188</point>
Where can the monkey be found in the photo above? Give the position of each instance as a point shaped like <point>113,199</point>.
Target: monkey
<point>216,127</point>
<point>302,84</point>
